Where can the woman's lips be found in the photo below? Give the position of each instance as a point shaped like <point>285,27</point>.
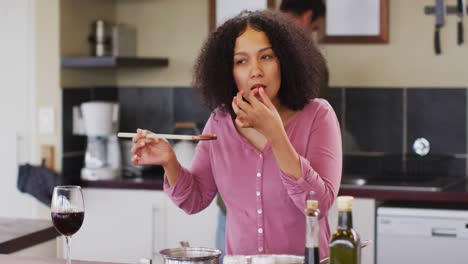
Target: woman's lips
<point>258,86</point>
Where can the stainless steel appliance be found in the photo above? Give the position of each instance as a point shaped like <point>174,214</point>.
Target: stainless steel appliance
<point>190,255</point>
<point>100,39</point>
<point>124,40</point>
<point>414,235</point>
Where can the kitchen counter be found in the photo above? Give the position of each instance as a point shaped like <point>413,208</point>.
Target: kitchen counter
<point>450,196</point>
<point>17,234</point>
<point>458,193</point>
<point>121,183</point>
<point>28,260</point>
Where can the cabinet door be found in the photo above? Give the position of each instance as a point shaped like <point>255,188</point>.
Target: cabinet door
<point>363,223</point>
<point>198,229</point>
<point>118,225</point>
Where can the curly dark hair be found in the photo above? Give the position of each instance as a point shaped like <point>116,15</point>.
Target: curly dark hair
<point>303,68</point>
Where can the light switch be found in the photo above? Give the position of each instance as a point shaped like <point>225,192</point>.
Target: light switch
<point>46,121</point>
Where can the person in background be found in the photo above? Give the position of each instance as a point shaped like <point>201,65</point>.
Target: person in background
<point>277,143</point>
<point>308,15</point>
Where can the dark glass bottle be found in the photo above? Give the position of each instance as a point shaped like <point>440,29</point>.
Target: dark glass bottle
<point>345,244</point>
<point>312,232</point>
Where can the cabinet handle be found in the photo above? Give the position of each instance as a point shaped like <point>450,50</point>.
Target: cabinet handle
<point>155,242</point>
<point>444,232</point>
<point>19,145</point>
<point>154,212</point>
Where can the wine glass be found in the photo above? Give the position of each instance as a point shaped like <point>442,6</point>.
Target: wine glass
<point>67,212</point>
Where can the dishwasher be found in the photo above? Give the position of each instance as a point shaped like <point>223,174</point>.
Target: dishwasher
<point>414,235</point>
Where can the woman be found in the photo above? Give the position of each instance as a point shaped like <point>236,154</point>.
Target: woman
<point>277,142</point>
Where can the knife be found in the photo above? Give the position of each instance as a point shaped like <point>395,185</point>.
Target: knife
<point>461,11</point>
<point>440,10</point>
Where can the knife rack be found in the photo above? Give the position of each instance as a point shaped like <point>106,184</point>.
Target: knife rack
<point>451,10</point>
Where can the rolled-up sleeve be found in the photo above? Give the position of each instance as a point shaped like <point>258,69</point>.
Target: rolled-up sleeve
<point>321,164</point>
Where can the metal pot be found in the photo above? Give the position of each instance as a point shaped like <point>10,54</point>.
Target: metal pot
<point>186,255</point>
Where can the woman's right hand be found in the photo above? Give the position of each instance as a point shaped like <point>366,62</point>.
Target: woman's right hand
<point>151,151</point>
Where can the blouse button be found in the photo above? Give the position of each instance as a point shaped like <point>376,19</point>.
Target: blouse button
<point>259,211</point>
<point>258,193</point>
<point>260,249</point>
<point>259,174</point>
<point>260,230</point>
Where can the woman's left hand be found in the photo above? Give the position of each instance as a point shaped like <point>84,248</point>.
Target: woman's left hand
<point>258,114</point>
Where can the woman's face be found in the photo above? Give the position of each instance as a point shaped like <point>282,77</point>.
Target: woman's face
<point>256,65</point>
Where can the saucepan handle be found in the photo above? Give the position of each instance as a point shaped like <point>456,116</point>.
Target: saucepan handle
<point>184,243</point>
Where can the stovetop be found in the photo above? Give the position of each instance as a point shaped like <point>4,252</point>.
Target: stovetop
<point>433,184</point>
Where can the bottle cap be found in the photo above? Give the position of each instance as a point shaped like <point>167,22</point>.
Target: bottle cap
<point>344,203</point>
<point>312,204</point>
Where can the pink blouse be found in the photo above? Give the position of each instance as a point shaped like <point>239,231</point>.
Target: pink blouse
<point>265,207</point>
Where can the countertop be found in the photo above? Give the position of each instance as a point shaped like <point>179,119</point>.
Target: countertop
<point>11,259</point>
<point>17,234</point>
<point>456,193</point>
<point>122,183</point>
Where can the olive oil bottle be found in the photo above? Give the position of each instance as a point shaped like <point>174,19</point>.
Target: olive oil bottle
<point>312,232</point>
<point>345,244</point>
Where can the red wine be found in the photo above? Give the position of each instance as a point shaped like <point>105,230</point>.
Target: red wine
<point>312,256</point>
<point>67,223</point>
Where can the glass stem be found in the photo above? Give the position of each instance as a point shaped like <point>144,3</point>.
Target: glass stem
<point>68,240</point>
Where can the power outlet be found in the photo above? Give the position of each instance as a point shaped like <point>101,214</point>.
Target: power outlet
<point>46,121</point>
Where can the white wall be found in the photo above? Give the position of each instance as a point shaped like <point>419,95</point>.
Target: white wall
<point>177,29</point>
<point>47,70</point>
<point>17,139</point>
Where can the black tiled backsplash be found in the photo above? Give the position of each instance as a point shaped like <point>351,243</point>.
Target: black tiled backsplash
<point>148,108</point>
<point>334,97</point>
<point>71,167</point>
<point>380,125</point>
<point>187,108</point>
<point>72,97</point>
<point>156,109</point>
<point>374,120</point>
<point>358,165</point>
<point>457,167</point>
<point>439,115</point>
<point>105,94</point>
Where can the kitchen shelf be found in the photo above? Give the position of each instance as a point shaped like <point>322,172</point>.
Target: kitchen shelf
<point>111,62</point>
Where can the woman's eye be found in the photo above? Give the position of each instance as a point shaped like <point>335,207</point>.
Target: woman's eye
<point>266,56</point>
<point>241,61</point>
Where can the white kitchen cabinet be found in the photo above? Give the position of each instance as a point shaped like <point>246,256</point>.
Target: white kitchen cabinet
<point>363,223</point>
<point>127,225</point>
<point>119,225</point>
<point>198,229</point>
